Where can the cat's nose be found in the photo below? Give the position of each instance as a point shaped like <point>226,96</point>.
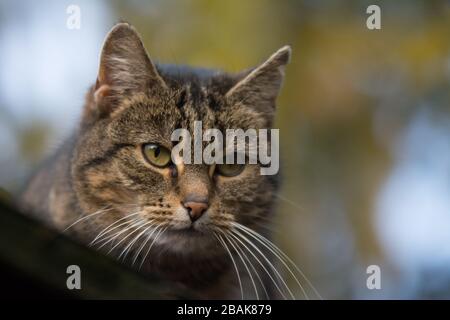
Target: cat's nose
<point>196,208</point>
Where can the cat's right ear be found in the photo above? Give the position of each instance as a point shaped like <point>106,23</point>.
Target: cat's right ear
<point>125,68</point>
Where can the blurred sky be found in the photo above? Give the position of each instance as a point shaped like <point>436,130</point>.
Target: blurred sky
<point>364,118</point>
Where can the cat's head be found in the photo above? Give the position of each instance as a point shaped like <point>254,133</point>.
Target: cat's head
<point>122,162</point>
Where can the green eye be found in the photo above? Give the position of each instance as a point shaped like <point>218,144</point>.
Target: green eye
<point>229,170</point>
<point>156,155</point>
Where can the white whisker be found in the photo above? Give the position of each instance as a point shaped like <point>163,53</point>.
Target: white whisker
<point>151,245</point>
<point>103,210</point>
<point>244,263</point>
<point>139,225</point>
<point>234,232</point>
<point>219,238</point>
<point>262,265</point>
<point>130,245</point>
<point>106,237</point>
<point>132,224</point>
<point>143,245</point>
<point>292,203</point>
<point>109,228</point>
<point>277,256</point>
<point>267,243</point>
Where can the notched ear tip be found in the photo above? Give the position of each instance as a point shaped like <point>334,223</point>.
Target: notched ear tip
<point>119,30</point>
<point>119,39</point>
<point>125,66</point>
<point>121,25</point>
<point>267,77</point>
<point>282,56</point>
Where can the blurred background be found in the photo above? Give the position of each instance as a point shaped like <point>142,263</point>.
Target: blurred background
<point>364,118</point>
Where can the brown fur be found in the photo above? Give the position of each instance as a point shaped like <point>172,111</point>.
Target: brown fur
<point>136,102</point>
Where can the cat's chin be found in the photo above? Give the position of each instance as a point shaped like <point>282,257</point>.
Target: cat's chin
<point>190,232</point>
<point>188,239</point>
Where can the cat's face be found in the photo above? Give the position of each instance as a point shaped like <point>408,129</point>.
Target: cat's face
<point>122,159</point>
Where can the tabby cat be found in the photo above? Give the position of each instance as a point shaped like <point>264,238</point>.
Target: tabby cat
<point>112,185</point>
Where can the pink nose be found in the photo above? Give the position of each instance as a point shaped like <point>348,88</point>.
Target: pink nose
<point>195,209</point>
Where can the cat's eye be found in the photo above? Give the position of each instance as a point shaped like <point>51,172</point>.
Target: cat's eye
<point>229,170</point>
<point>156,155</point>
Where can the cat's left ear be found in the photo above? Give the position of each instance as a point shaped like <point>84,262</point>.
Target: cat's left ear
<point>260,87</point>
<point>125,67</point>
